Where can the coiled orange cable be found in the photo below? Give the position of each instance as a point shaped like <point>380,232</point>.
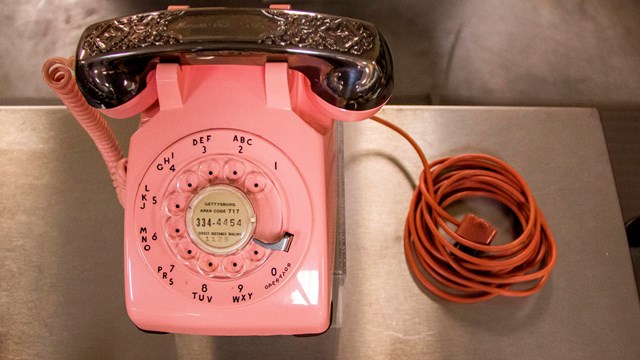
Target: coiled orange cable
<point>519,268</point>
<point>57,74</point>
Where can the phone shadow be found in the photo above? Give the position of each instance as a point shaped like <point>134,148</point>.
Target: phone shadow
<point>323,346</point>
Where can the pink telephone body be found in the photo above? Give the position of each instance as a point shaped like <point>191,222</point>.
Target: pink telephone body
<point>231,186</point>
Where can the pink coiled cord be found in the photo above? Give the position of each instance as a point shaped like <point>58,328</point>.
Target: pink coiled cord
<point>58,75</point>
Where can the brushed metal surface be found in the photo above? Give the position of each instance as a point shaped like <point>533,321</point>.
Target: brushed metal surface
<point>61,274</point>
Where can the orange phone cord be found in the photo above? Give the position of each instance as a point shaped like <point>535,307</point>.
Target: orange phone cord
<point>519,268</point>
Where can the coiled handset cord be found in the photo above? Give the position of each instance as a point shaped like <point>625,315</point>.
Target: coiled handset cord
<point>457,268</point>
<point>57,73</point>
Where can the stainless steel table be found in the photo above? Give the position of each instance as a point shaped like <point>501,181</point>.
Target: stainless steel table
<point>61,273</point>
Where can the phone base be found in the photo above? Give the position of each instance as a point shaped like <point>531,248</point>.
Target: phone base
<point>190,264</point>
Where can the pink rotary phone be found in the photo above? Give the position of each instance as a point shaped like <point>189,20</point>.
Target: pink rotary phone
<point>231,187</point>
